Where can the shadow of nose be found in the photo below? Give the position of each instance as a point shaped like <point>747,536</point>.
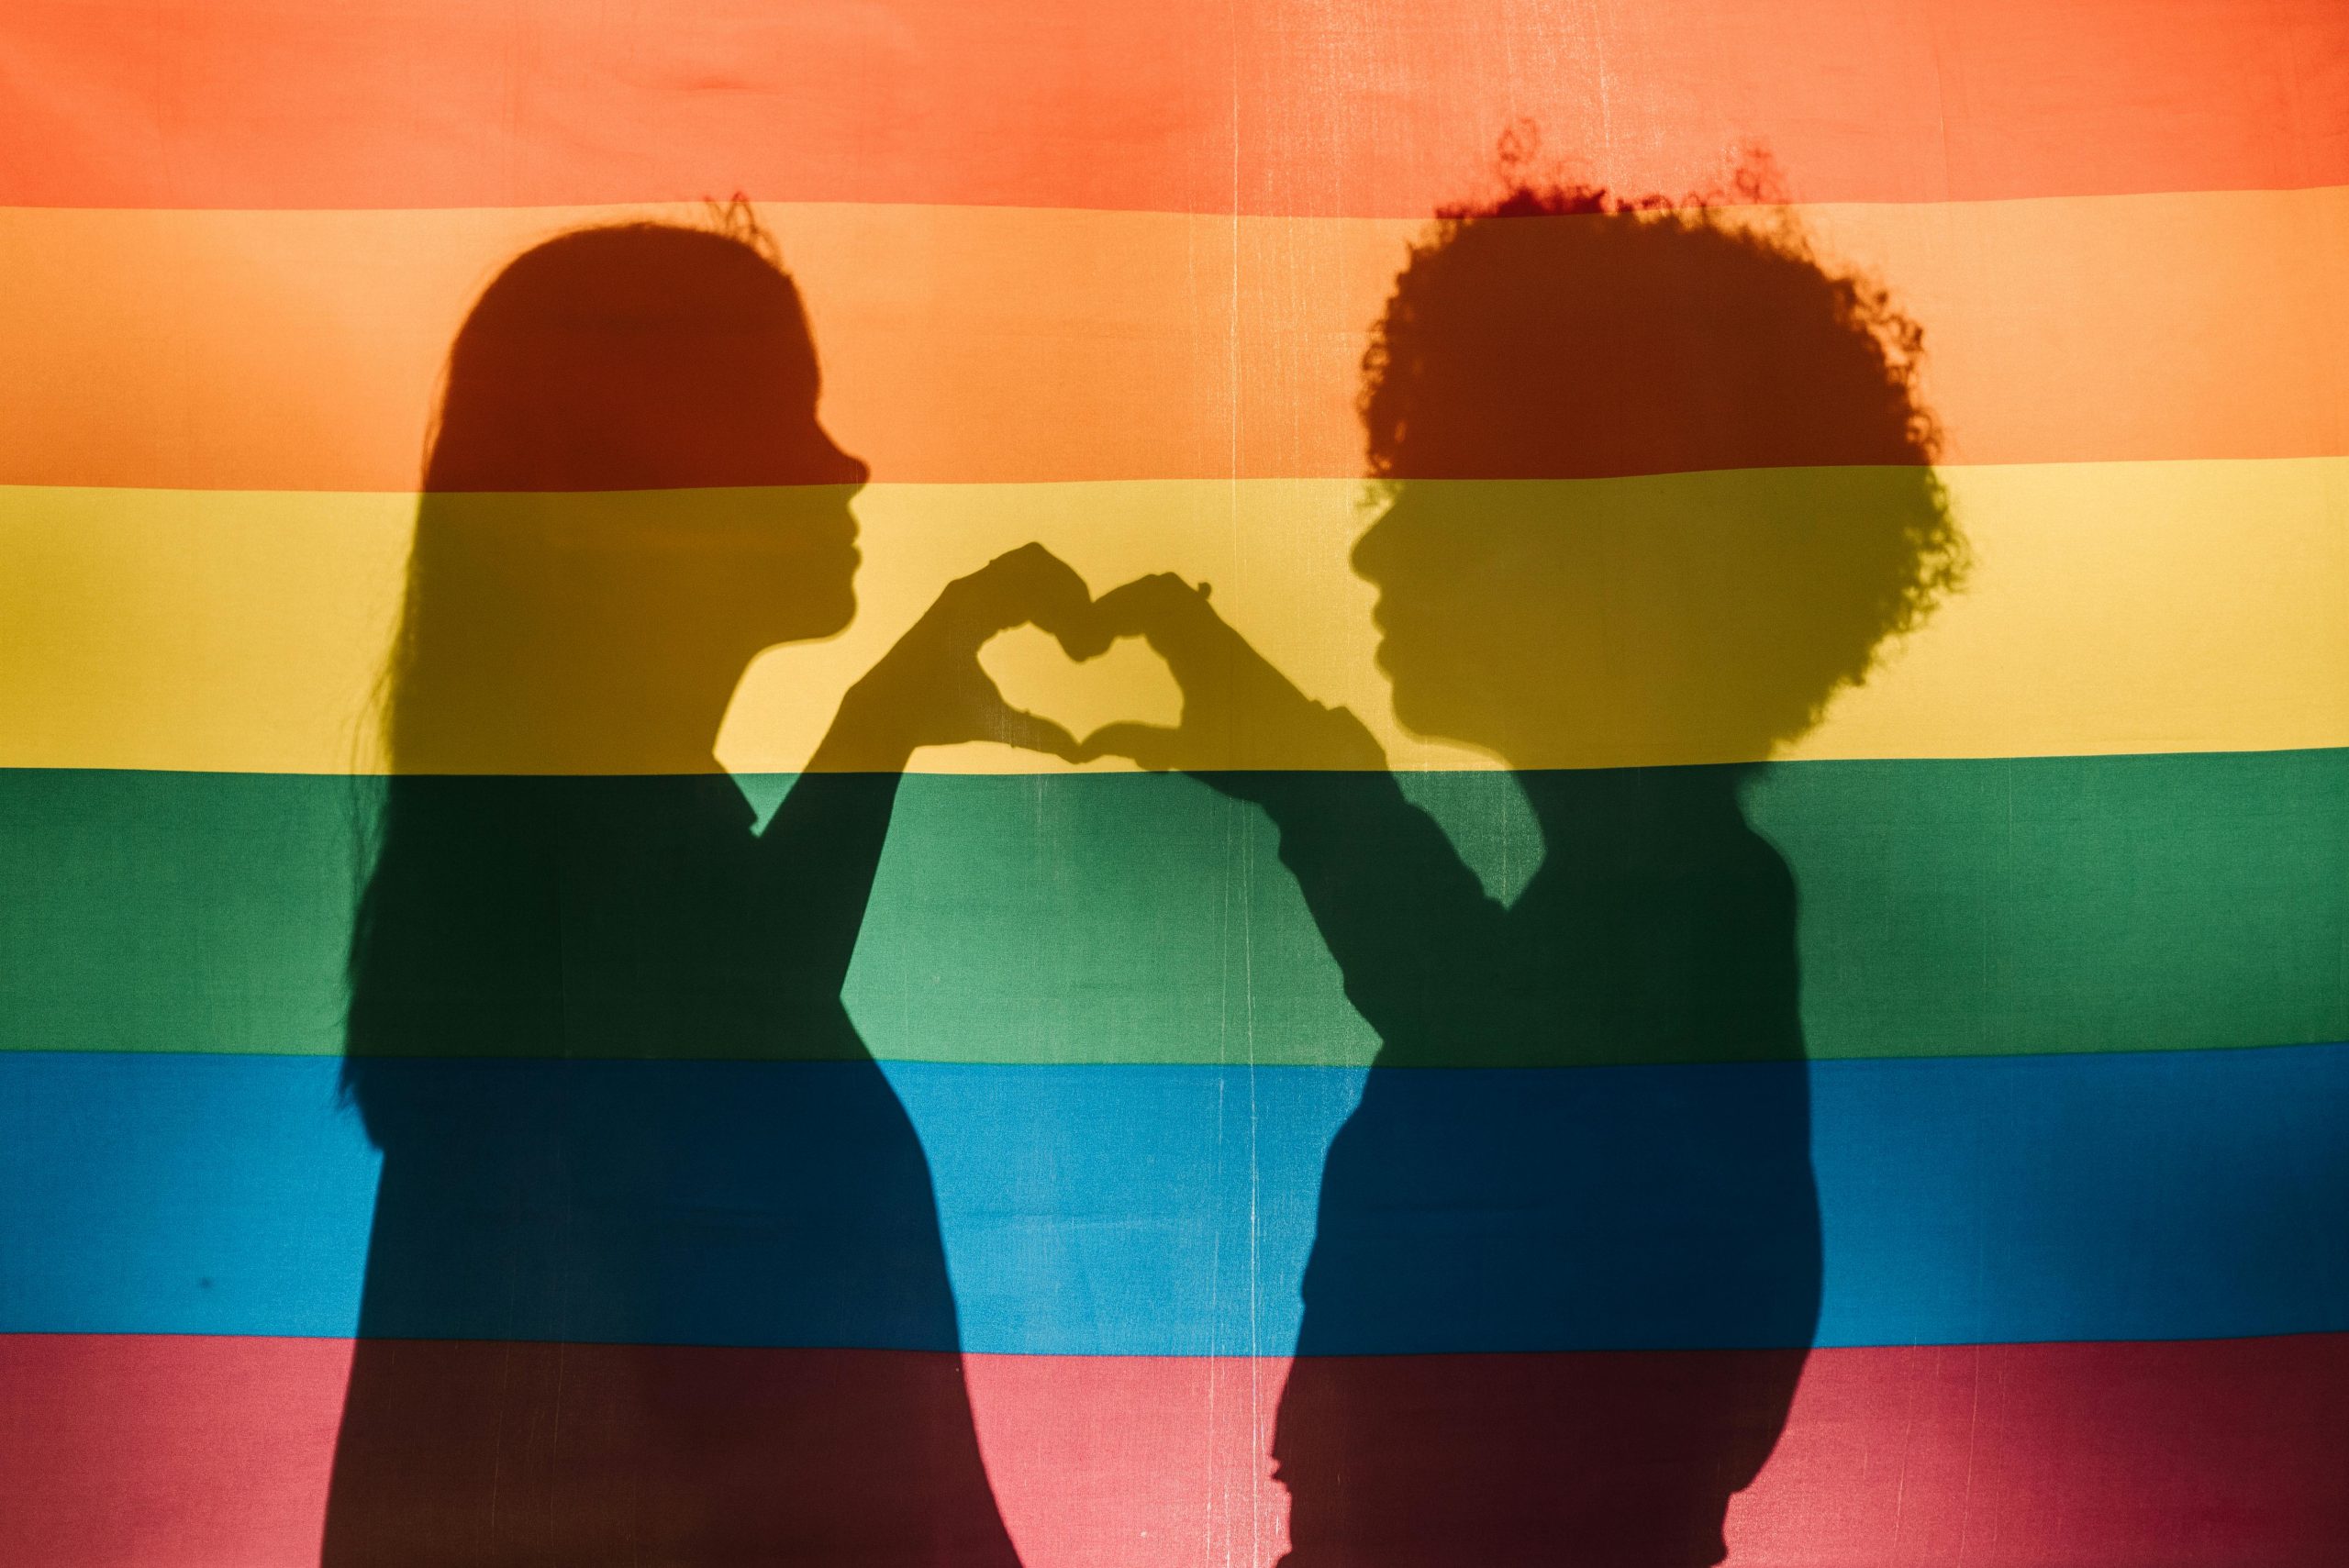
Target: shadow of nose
<point>840,467</point>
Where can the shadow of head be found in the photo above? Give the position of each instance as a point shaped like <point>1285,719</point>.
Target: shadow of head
<point>1660,482</point>
<point>627,496</point>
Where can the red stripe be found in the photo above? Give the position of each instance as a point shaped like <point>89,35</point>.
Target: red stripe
<point>131,1450</point>
<point>1274,106</point>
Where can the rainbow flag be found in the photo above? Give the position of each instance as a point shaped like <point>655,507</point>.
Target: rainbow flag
<point>1655,867</point>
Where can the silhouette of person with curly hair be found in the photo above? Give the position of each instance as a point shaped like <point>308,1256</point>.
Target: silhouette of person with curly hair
<point>1659,486</point>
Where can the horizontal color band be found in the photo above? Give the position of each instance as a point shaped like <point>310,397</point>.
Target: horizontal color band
<point>1945,908</point>
<point>1140,1211</point>
<point>1267,107</point>
<point>303,350</point>
<point>139,1452</point>
<point>2112,609</point>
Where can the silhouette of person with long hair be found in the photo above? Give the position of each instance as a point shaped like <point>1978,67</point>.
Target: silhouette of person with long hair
<point>630,1138</point>
<point>1634,1192</point>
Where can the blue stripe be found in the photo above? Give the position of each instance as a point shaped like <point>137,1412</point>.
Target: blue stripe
<point>1170,1211</point>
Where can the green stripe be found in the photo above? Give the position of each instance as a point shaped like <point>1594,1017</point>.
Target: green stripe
<point>1953,908</point>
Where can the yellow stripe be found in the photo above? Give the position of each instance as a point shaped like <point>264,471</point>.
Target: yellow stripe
<point>2117,608</point>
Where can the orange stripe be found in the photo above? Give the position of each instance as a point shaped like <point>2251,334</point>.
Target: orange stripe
<point>302,350</point>
<point>1200,106</point>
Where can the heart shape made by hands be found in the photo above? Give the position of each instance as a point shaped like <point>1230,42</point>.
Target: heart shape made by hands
<point>1129,682</point>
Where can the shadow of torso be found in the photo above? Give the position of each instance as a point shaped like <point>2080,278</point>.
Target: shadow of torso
<point>1626,1179</point>
<point>633,1151</point>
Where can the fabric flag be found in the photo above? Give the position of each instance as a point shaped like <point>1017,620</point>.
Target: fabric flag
<point>1122,786</point>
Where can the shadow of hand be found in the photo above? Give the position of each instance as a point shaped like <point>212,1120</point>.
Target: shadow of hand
<point>1240,714</point>
<point>930,690</point>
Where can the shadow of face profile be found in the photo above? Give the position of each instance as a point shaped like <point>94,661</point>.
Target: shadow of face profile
<point>629,496</point>
<point>1659,484</point>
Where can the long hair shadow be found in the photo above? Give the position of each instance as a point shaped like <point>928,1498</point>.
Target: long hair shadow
<point>655,1273</point>
<point>1659,484</point>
